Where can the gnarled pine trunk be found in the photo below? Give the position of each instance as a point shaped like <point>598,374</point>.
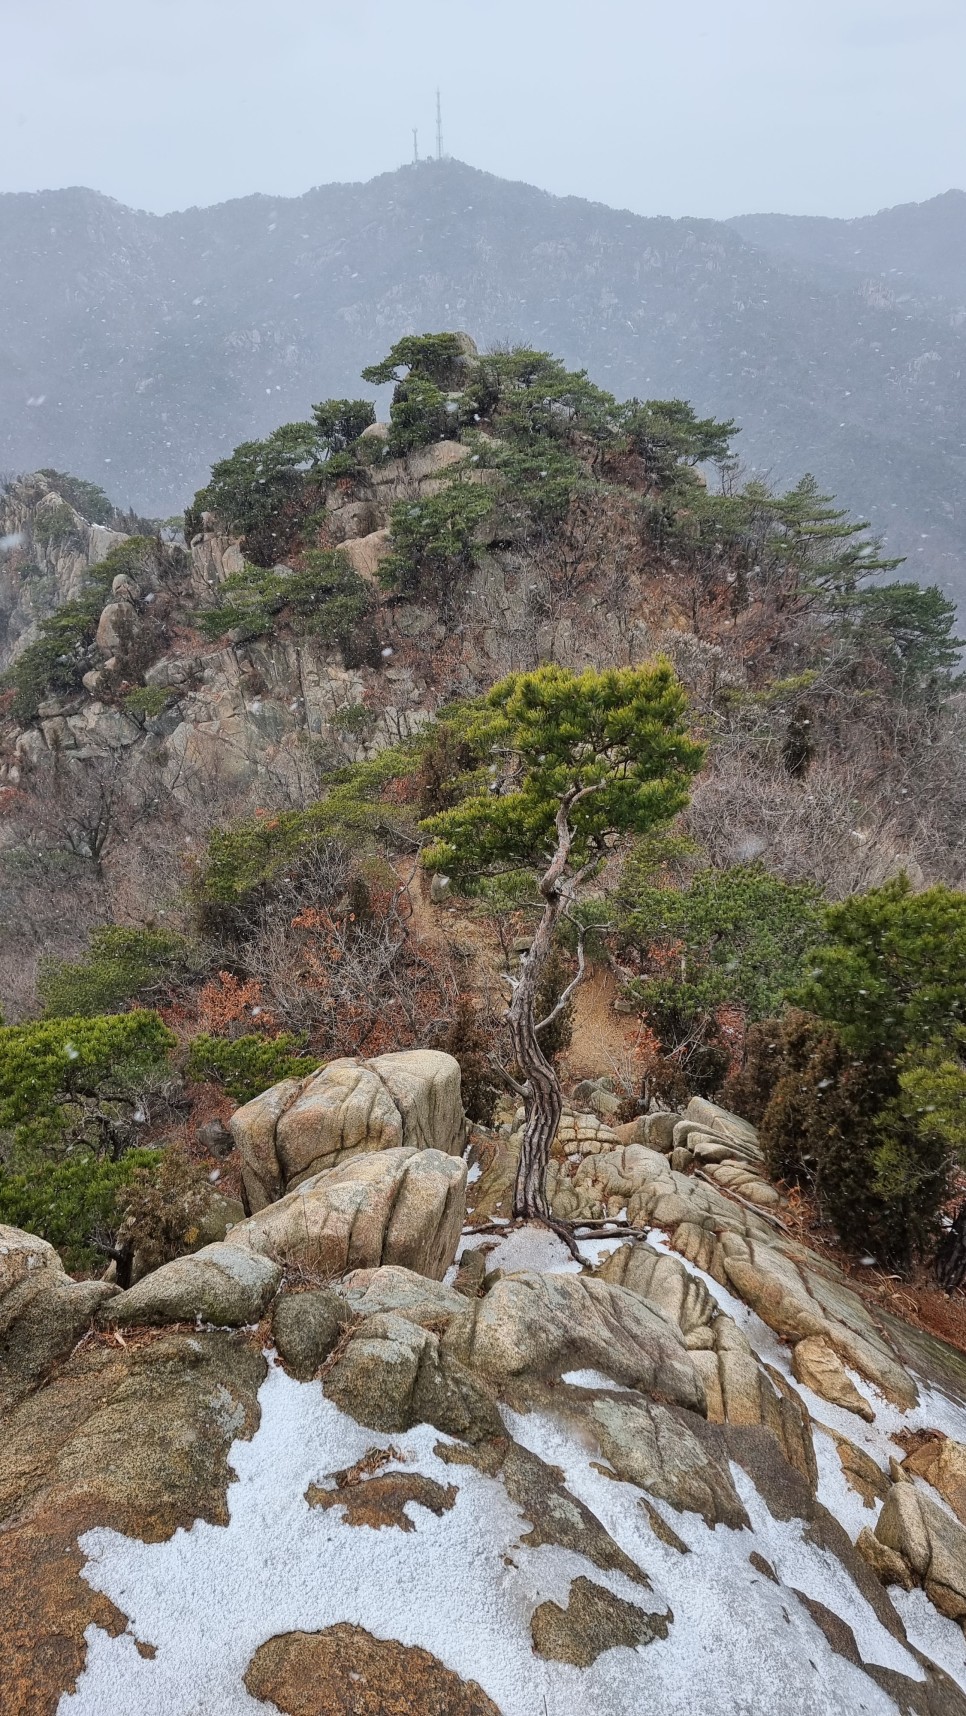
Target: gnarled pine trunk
<point>542,1100</point>
<point>542,1097</point>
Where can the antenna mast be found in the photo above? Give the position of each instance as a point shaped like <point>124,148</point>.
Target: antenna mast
<point>439,127</point>
<point>415,147</point>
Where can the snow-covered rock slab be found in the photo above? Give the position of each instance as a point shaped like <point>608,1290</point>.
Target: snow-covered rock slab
<point>744,1612</point>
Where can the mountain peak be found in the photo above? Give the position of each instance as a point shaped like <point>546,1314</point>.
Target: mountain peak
<point>185,334</point>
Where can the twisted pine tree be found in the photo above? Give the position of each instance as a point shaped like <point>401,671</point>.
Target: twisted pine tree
<point>576,761</point>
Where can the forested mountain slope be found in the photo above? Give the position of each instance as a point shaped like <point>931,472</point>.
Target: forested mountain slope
<point>919,247</point>
<point>136,349</point>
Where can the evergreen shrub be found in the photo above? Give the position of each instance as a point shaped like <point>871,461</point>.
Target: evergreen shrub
<point>246,1066</point>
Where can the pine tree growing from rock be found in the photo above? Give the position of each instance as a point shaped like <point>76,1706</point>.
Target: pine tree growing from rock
<point>575,761</point>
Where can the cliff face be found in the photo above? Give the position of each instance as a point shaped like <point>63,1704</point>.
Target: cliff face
<point>46,548</point>
<point>279,707</point>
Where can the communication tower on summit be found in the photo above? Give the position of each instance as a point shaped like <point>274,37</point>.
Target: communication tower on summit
<point>439,127</point>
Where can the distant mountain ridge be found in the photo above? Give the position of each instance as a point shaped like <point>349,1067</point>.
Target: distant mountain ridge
<point>135,349</point>
<point>921,247</point>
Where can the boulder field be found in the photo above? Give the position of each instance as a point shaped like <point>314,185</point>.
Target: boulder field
<point>382,1451</point>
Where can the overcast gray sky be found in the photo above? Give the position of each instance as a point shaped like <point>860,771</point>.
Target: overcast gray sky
<point>710,108</point>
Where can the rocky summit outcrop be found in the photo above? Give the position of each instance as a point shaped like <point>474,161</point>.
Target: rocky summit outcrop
<point>393,1374</point>
<point>720,1146</point>
<point>587,1176</point>
<point>229,713</point>
<point>816,1364</point>
<point>667,1454</point>
<point>738,1390</point>
<point>794,1292</point>
<point>405,1206</point>
<point>453,1469</point>
<point>402,1206</point>
<point>301,1127</point>
<point>217,719</point>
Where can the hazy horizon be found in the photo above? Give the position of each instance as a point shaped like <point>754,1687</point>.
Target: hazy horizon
<point>175,104</point>
<point>511,178</point>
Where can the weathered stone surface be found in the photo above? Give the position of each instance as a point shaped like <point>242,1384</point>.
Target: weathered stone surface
<point>721,1120</point>
<point>41,1321</point>
<point>471,1274</point>
<point>420,1300</point>
<point>942,1462</point>
<point>221,1284</point>
<point>418,1105</point>
<point>837,1632</point>
<point>659,1132</point>
<point>605,1102</point>
<point>665,1282</point>
<point>306,1327</point>
<point>135,1438</point>
<point>543,1325</point>
<point>63,545</point>
<point>886,1563</point>
<point>394,1374</point>
<point>593,1621</point>
<point>300,1128</point>
<point>798,1302</point>
<point>932,1546</point>
<point>861,1472</point>
<point>662,1531</point>
<point>794,1292</point>
<point>427,462</point>
<point>404,1206</point>
<point>345,1671</point>
<point>699,1245</point>
<point>642,1182</point>
<point>578,1135</point>
<point>253,1131</point>
<point>215,1137</point>
<point>365,554</point>
<point>493,1193</point>
<point>742,1392</point>
<point>706,1147</point>
<point>110,635</point>
<point>367,1495</point>
<point>23,1254</point>
<point>43,1313</point>
<point>351,520</point>
<point>817,1366</point>
<point>219,1215</point>
<point>554,1514</point>
<point>607,1181</point>
<point>742,1180</point>
<point>656,1449</point>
